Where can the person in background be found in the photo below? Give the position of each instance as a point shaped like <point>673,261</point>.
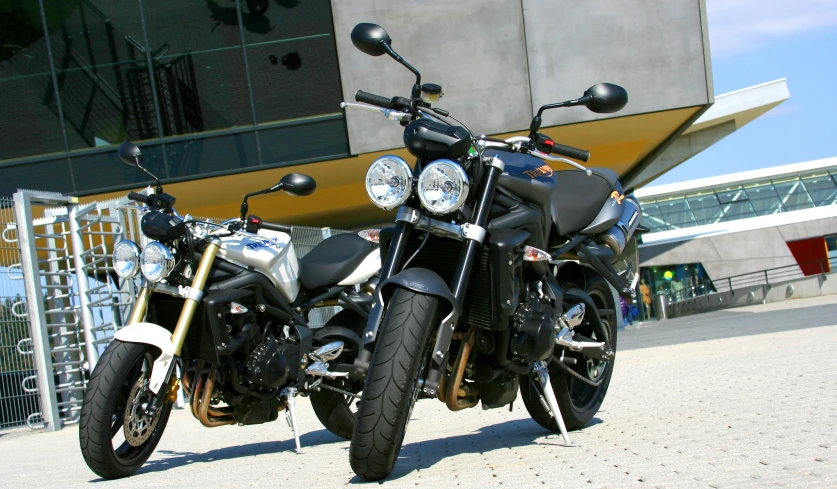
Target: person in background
<point>645,292</point>
<point>626,310</point>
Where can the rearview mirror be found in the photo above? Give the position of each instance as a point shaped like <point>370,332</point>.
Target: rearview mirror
<point>130,154</point>
<point>298,185</point>
<point>369,38</point>
<point>606,98</point>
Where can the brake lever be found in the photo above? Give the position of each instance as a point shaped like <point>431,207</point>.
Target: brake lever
<point>544,156</point>
<point>393,115</point>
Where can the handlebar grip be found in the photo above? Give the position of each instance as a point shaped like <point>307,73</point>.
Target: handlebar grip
<point>372,99</point>
<point>282,228</point>
<point>138,197</point>
<point>570,152</point>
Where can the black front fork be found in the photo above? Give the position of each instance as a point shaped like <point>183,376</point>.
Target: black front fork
<point>458,286</point>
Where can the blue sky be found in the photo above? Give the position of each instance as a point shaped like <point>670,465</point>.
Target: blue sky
<point>755,41</point>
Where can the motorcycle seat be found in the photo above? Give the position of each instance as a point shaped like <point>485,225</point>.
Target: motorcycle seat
<point>333,260</point>
<point>577,198</point>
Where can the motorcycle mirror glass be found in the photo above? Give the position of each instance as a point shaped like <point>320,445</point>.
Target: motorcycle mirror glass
<point>298,185</point>
<point>130,154</point>
<point>370,38</point>
<point>606,98</point>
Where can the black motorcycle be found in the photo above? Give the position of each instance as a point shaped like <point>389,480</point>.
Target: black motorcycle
<point>498,271</point>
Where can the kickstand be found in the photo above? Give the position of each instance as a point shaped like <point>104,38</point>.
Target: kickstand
<point>549,394</point>
<point>290,400</point>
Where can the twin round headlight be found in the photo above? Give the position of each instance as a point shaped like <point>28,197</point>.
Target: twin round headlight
<point>442,186</point>
<point>155,262</point>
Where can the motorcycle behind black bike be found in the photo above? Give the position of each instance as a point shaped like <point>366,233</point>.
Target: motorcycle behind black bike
<point>500,274</point>
<point>226,306</point>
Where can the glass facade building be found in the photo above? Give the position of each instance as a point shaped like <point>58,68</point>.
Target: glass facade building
<point>740,201</point>
<point>204,87</point>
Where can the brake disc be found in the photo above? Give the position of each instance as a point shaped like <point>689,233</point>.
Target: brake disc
<point>139,425</point>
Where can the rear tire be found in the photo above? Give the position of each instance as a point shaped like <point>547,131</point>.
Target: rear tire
<point>391,387</point>
<point>334,410</point>
<point>119,370</point>
<point>578,401</point>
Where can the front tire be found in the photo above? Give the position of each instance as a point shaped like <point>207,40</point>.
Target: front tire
<point>391,387</point>
<point>578,401</point>
<point>112,447</point>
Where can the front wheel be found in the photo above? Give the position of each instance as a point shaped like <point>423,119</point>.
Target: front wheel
<point>579,394</point>
<point>392,383</point>
<point>116,433</point>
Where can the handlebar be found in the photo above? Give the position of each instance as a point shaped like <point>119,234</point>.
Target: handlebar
<point>138,197</point>
<point>254,223</point>
<point>570,152</point>
<point>372,99</point>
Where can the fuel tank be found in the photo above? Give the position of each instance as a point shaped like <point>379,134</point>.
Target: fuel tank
<point>270,253</point>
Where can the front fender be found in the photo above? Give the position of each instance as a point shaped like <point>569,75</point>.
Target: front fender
<point>154,335</point>
<point>420,280</point>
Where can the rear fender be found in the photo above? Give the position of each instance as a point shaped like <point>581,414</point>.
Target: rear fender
<point>422,281</point>
<point>154,335</point>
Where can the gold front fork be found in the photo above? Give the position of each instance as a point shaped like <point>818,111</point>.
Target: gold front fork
<point>191,303</point>
<point>140,305</point>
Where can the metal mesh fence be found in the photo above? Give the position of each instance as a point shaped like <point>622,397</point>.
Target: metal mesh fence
<point>18,393</point>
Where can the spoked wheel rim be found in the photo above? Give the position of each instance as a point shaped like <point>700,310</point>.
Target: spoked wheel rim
<point>582,394</point>
<point>131,425</point>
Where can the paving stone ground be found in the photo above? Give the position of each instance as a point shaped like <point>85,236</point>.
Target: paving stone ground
<point>738,409</point>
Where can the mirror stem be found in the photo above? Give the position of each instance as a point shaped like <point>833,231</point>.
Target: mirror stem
<point>159,189</point>
<point>569,103</point>
<point>386,47</point>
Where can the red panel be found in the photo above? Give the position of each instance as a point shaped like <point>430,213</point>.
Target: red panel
<point>811,255</point>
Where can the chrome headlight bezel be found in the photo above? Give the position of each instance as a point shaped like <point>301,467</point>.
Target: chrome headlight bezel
<point>401,171</point>
<point>153,256</point>
<point>128,253</point>
<point>459,182</point>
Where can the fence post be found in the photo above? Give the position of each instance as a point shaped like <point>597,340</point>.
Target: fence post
<point>729,279</point>
<point>35,310</point>
<point>83,287</point>
<point>766,279</point>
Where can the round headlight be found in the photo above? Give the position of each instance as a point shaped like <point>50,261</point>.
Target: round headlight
<point>156,262</point>
<point>125,259</point>
<point>443,187</point>
<point>389,182</point>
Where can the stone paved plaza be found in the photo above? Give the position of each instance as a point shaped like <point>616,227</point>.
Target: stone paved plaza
<point>740,398</point>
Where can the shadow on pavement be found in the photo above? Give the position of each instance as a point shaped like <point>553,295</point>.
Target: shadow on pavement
<point>177,459</point>
<point>508,435</point>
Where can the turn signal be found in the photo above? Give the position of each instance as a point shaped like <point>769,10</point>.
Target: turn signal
<point>534,254</point>
<point>371,235</point>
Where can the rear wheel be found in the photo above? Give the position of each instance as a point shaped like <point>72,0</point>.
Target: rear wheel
<point>578,400</point>
<point>335,410</point>
<point>116,432</point>
<point>392,383</point>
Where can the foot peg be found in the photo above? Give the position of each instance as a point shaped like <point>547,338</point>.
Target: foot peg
<point>549,394</point>
<point>289,394</point>
<point>321,357</point>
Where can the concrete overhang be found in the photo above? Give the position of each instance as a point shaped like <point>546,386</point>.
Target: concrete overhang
<point>730,112</point>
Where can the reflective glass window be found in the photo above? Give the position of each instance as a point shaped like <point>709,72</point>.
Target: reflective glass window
<point>677,212</point>
<point>106,170</point>
<point>30,124</point>
<point>101,70</point>
<point>792,193</point>
<point>198,65</point>
<point>731,194</point>
<point>821,188</point>
<point>764,198</point>
<point>212,155</point>
<point>304,142</point>
<point>738,210</point>
<point>53,176</point>
<point>652,218</point>
<point>705,207</point>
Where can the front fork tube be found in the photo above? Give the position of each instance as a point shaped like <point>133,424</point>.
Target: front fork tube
<point>190,305</point>
<point>459,285</point>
